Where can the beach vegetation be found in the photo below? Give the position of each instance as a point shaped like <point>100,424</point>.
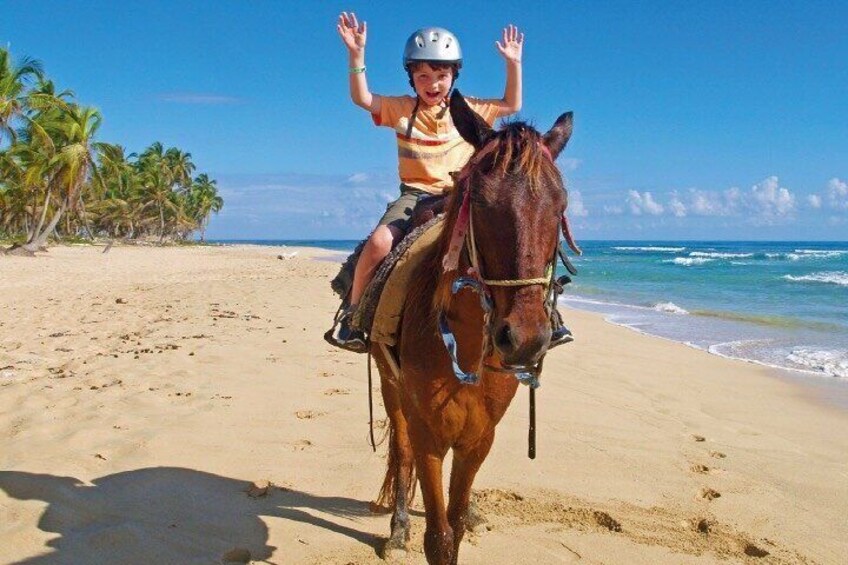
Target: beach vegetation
<point>59,182</point>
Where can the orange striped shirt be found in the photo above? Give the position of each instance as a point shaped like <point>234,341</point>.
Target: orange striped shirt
<point>434,148</point>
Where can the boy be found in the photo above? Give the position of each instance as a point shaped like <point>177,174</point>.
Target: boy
<point>429,147</point>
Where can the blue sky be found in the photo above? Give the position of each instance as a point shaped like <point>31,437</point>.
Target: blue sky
<point>692,120</point>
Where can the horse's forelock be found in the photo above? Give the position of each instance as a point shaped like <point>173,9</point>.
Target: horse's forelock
<point>515,147</point>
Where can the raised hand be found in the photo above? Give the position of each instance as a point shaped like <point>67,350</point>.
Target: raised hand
<point>353,33</point>
<point>513,42</point>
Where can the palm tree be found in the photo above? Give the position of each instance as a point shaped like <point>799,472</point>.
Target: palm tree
<point>52,171</point>
<point>205,200</point>
<point>13,83</point>
<point>71,131</point>
<point>157,180</point>
<point>180,165</point>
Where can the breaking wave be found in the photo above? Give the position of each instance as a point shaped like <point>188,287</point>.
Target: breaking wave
<point>688,261</point>
<point>670,308</point>
<point>831,277</point>
<point>830,362</point>
<point>717,255</point>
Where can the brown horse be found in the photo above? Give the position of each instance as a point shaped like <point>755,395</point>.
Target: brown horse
<point>514,199</point>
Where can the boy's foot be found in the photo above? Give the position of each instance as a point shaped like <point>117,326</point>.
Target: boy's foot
<point>349,338</point>
<point>559,336</point>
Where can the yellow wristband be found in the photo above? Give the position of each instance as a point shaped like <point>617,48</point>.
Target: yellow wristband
<point>356,70</point>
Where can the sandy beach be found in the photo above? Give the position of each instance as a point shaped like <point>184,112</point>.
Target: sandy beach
<point>179,405</point>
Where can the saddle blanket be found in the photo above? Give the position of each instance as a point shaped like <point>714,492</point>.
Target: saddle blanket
<point>379,313</point>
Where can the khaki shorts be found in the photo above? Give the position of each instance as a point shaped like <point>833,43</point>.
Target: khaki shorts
<point>399,212</point>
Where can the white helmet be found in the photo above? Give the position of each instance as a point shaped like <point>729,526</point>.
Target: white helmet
<point>432,45</point>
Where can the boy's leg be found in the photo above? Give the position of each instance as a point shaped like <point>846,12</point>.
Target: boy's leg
<point>391,229</point>
<point>378,246</point>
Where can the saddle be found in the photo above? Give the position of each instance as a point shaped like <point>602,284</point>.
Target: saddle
<point>380,308</point>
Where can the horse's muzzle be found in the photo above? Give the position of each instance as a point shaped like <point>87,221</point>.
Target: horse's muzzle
<point>520,345</point>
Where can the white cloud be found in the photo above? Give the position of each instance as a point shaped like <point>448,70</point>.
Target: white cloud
<point>677,207</point>
<point>707,203</point>
<point>815,201</point>
<point>357,178</point>
<point>643,203</point>
<point>769,200</point>
<point>295,206</point>
<point>576,208</point>
<point>766,201</point>
<point>837,192</point>
<point>569,164</point>
<point>613,210</point>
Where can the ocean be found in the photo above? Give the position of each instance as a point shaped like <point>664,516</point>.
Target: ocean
<point>781,304</point>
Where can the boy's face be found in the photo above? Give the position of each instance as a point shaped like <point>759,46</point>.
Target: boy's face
<point>432,85</point>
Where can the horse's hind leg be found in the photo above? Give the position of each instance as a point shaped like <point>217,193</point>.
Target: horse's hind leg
<point>400,475</point>
<point>466,463</point>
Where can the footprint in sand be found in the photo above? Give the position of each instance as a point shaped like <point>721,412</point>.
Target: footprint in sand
<point>717,455</point>
<point>703,469</point>
<point>308,414</point>
<point>335,391</point>
<point>302,444</point>
<point>701,525</point>
<point>709,494</point>
<point>753,551</point>
<point>698,438</point>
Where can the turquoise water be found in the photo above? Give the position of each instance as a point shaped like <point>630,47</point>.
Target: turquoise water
<point>783,304</point>
<point>778,303</point>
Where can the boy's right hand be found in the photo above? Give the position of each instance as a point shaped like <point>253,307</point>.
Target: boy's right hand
<point>352,32</point>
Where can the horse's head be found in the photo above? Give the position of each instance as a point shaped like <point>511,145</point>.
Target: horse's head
<point>516,201</point>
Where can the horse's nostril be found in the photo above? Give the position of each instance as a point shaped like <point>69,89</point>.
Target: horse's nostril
<point>504,339</point>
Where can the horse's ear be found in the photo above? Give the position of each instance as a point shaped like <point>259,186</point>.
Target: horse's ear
<point>559,135</point>
<point>469,124</point>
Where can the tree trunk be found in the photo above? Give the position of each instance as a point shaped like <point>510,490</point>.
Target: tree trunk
<point>40,239</point>
<point>37,229</point>
<point>34,211</point>
<point>84,219</point>
<point>161,224</point>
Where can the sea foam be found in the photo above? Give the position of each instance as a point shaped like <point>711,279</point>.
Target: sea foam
<point>831,362</point>
<point>832,277</point>
<point>670,308</point>
<point>801,254</point>
<point>652,248</point>
<point>717,255</point>
<point>688,261</point>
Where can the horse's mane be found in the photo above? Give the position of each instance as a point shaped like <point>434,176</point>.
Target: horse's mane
<point>515,149</point>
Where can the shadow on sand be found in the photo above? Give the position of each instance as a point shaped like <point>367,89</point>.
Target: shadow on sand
<point>168,515</point>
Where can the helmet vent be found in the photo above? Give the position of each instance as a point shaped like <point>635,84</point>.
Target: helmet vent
<point>419,41</point>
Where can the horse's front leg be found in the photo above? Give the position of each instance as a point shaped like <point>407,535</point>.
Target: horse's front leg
<point>438,537</point>
<point>466,463</point>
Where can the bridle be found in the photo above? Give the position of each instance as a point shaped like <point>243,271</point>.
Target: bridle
<point>463,238</point>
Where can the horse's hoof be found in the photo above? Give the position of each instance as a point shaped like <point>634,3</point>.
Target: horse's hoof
<point>395,549</point>
<point>475,522</point>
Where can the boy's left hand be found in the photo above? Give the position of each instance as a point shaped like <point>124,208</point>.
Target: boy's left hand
<point>513,42</point>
